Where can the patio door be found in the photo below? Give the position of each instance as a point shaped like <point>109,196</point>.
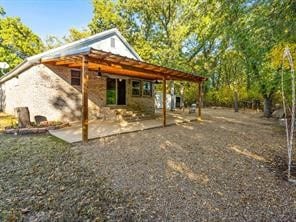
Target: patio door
<point>121,89</point>
<point>116,91</point>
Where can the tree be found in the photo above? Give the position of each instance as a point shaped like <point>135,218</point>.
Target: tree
<point>17,41</point>
<point>197,36</point>
<point>52,41</point>
<point>105,16</point>
<point>75,34</point>
<point>289,116</point>
<point>2,11</point>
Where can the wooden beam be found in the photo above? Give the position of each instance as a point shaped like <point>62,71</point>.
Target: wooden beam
<point>127,64</point>
<point>85,78</point>
<point>164,101</point>
<point>199,100</point>
<point>65,62</point>
<point>119,71</point>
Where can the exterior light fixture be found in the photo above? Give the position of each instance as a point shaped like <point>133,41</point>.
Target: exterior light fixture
<point>99,74</point>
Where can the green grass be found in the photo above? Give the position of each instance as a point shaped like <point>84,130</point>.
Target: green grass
<point>6,120</point>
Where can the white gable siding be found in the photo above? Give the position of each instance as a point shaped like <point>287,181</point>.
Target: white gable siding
<point>119,49</point>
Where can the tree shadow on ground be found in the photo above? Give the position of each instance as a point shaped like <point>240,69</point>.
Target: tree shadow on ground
<point>279,166</point>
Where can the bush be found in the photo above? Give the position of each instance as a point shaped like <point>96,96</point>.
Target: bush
<point>225,96</point>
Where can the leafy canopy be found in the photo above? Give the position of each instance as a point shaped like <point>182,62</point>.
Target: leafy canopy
<point>17,41</point>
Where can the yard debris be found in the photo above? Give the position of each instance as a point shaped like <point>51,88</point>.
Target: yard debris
<point>42,128</point>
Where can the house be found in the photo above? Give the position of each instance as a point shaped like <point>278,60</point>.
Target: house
<point>87,79</point>
<point>55,92</point>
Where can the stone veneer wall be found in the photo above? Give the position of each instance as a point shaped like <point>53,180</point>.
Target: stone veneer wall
<point>47,91</point>
<point>143,104</point>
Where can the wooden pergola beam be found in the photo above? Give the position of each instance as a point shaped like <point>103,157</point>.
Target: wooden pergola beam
<point>122,68</point>
<point>85,79</point>
<point>126,71</point>
<point>118,71</point>
<point>199,99</point>
<point>65,62</point>
<point>164,101</point>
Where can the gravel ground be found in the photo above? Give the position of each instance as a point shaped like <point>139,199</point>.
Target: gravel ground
<point>228,167</point>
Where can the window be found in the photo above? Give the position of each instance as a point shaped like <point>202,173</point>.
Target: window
<point>111,91</point>
<point>112,42</point>
<point>147,88</point>
<point>116,91</point>
<point>75,77</point>
<point>136,88</point>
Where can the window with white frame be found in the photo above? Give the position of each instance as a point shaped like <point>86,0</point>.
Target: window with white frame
<point>136,88</point>
<point>147,88</point>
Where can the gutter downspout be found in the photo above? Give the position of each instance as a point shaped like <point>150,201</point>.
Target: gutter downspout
<point>18,70</point>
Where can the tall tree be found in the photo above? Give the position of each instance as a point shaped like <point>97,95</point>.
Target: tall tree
<point>76,34</point>
<point>198,36</point>
<point>17,41</point>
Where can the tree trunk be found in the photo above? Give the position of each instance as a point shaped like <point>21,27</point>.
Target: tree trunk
<point>235,102</point>
<point>267,106</point>
<point>23,117</point>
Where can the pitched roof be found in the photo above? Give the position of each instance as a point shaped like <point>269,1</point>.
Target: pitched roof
<point>73,47</point>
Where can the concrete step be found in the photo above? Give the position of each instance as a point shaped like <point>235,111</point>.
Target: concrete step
<point>127,114</point>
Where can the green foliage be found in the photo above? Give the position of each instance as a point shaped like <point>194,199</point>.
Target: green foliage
<point>52,41</point>
<point>238,45</point>
<point>75,34</point>
<point>2,11</point>
<point>224,96</point>
<point>276,56</point>
<point>105,16</point>
<point>17,41</point>
<point>190,94</point>
<point>229,43</point>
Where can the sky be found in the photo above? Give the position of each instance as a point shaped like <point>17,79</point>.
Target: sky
<point>50,17</point>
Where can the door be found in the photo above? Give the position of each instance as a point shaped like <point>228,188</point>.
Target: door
<point>121,91</point>
<point>116,90</point>
<point>111,91</point>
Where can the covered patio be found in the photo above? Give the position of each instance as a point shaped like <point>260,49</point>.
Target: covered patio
<point>106,62</point>
<point>104,128</point>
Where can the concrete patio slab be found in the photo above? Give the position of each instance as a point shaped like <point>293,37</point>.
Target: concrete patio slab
<point>103,128</point>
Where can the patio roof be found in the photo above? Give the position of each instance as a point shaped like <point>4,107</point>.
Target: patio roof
<point>98,60</point>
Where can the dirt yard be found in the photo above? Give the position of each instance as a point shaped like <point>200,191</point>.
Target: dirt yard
<point>228,167</point>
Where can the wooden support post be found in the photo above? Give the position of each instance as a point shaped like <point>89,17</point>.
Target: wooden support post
<point>199,100</point>
<point>164,100</point>
<point>84,83</point>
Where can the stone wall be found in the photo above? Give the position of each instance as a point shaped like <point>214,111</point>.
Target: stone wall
<point>47,91</point>
<point>143,104</point>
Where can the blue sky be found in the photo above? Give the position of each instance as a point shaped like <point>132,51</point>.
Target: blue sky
<point>47,17</point>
